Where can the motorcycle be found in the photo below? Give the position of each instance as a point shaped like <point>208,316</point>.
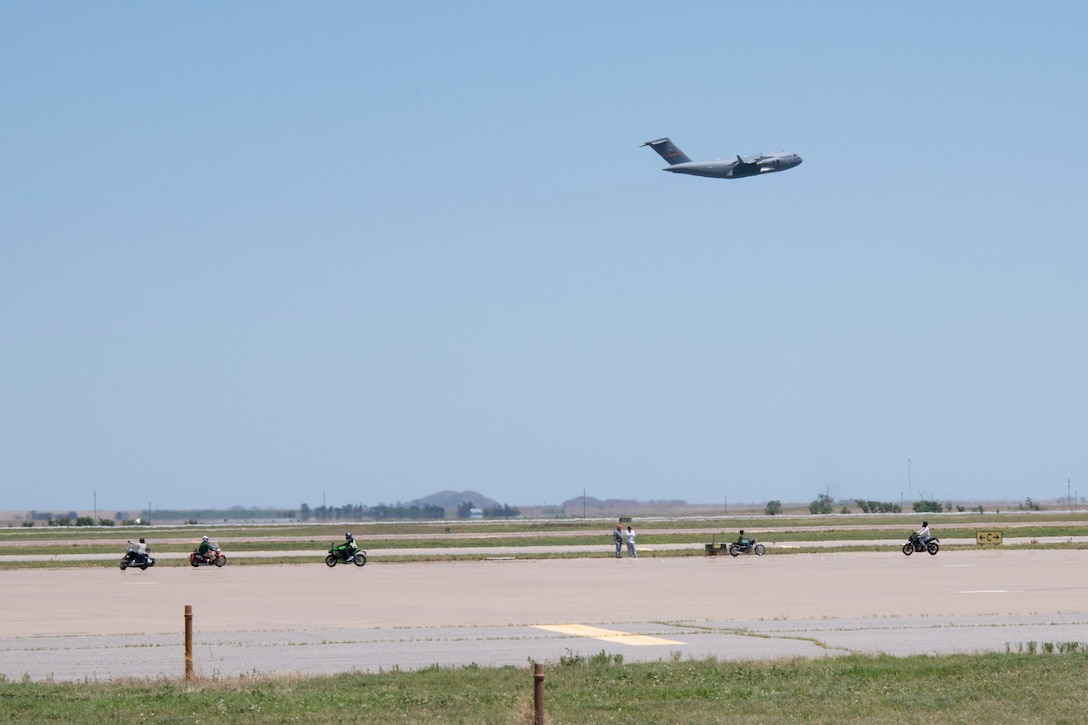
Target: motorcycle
<point>343,553</point>
<point>748,546</point>
<point>914,543</point>
<point>214,556</point>
<point>134,557</point>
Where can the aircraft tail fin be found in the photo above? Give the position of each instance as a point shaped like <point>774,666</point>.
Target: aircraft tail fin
<point>667,150</point>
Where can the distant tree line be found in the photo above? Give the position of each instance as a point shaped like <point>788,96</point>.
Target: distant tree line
<point>382,512</point>
<point>879,507</point>
<point>233,513</point>
<point>464,511</point>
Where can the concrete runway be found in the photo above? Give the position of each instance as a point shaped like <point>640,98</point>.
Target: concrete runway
<point>77,624</point>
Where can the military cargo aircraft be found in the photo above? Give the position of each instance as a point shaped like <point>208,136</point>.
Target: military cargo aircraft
<point>679,163</point>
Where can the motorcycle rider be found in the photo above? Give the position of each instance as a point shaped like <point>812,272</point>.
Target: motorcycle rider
<point>142,549</point>
<point>204,548</point>
<point>349,545</point>
<point>741,541</point>
<point>923,533</point>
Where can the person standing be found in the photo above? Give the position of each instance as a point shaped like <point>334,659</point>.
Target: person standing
<point>631,544</point>
<point>617,537</point>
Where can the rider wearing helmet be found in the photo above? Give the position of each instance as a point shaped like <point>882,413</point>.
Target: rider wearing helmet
<point>205,547</point>
<point>741,541</point>
<point>923,533</point>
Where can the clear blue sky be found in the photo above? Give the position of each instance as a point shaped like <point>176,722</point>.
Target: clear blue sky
<point>253,253</point>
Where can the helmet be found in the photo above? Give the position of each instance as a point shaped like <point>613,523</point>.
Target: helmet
<point>347,536</point>
<point>142,541</point>
<point>203,538</point>
<point>925,523</point>
<point>742,531</point>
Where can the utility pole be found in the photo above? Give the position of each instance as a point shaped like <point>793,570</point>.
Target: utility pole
<point>910,495</point>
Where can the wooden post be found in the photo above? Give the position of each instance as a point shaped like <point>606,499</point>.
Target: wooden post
<point>188,642</point>
<point>538,694</point>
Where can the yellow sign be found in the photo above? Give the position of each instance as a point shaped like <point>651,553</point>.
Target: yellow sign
<point>988,538</point>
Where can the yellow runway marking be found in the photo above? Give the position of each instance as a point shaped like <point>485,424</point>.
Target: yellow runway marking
<point>606,635</point>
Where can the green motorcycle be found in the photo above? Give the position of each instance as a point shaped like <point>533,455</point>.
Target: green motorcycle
<point>349,551</point>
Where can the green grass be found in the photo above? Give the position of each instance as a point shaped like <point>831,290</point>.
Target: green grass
<point>1000,687</point>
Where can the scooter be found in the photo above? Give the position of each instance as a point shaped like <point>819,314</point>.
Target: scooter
<point>214,556</point>
<point>914,543</point>
<point>134,557</point>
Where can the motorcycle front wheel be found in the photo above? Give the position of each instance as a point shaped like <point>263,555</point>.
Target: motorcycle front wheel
<point>760,550</point>
<point>124,565</point>
<point>908,549</point>
<point>359,559</point>
<point>220,560</point>
<point>330,560</point>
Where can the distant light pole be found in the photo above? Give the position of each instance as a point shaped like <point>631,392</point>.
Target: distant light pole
<point>909,494</point>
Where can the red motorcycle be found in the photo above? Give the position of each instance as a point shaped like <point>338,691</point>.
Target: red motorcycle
<point>214,556</point>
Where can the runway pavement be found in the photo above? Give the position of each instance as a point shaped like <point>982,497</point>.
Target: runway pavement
<point>76,624</point>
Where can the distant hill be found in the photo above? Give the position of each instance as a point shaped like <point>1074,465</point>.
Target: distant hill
<point>453,499</point>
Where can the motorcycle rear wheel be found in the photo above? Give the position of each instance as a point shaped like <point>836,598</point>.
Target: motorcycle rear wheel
<point>359,559</point>
<point>908,549</point>
<point>933,547</point>
<point>734,550</point>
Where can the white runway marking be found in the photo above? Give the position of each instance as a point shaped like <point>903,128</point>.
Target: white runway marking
<point>985,591</point>
<point>606,635</point>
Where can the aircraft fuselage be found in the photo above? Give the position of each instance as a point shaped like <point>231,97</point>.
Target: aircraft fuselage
<point>736,168</point>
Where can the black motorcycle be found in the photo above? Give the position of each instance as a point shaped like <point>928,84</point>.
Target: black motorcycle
<point>914,543</point>
<point>342,554</point>
<point>134,557</point>
<point>747,546</point>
